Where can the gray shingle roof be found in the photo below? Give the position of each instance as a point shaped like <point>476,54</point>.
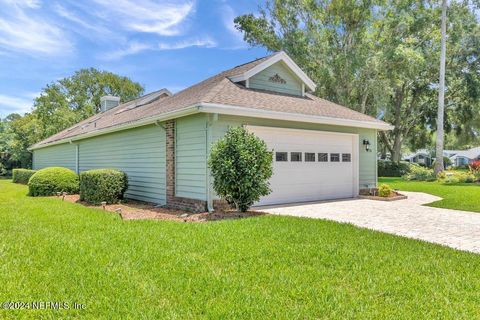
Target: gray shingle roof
<point>218,89</point>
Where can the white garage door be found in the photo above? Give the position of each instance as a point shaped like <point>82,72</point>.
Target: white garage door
<point>310,165</point>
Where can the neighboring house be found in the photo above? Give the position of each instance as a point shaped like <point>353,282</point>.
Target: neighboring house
<point>421,156</point>
<point>321,150</point>
<point>463,157</point>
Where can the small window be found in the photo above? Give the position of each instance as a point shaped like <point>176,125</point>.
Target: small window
<point>323,157</point>
<point>281,156</point>
<point>334,157</point>
<point>309,157</point>
<point>296,156</point>
<point>346,157</point>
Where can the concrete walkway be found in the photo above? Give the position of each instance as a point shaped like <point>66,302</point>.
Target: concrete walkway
<point>408,218</point>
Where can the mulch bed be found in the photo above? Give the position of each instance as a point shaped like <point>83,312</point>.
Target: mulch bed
<point>138,210</point>
<point>393,196</point>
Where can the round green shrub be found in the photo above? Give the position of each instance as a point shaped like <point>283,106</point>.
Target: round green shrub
<point>100,185</point>
<point>384,190</point>
<point>22,175</point>
<point>49,181</point>
<point>241,166</point>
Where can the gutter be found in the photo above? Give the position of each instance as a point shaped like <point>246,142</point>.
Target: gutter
<point>261,113</point>
<point>227,110</point>
<point>151,120</point>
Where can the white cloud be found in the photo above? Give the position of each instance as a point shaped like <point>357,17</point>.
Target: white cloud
<point>28,32</point>
<point>228,15</point>
<point>164,18</point>
<point>206,43</point>
<point>69,15</point>
<point>137,47</point>
<point>14,104</point>
<point>132,48</point>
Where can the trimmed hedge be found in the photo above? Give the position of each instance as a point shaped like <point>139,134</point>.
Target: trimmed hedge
<point>387,168</point>
<point>49,181</point>
<point>22,175</point>
<point>99,185</point>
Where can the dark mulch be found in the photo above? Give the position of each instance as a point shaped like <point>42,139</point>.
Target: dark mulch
<point>138,210</point>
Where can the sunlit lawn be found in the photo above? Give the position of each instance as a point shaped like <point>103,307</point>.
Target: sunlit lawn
<point>461,196</point>
<point>258,268</point>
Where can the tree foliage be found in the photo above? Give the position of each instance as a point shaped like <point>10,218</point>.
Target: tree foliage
<point>60,105</point>
<point>241,166</point>
<point>381,58</point>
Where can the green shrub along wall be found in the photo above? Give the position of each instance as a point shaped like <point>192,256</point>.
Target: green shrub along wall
<point>49,181</point>
<point>387,168</point>
<point>100,185</point>
<point>22,175</point>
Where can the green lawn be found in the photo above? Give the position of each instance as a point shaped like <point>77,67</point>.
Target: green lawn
<point>264,267</point>
<point>462,196</point>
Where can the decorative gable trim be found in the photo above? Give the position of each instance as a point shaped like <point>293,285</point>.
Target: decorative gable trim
<point>281,56</point>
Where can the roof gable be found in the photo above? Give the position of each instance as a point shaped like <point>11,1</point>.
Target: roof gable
<point>271,60</point>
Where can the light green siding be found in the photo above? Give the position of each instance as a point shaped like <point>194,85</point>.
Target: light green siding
<point>367,160</point>
<point>140,153</point>
<point>190,157</point>
<point>261,80</point>
<point>63,155</point>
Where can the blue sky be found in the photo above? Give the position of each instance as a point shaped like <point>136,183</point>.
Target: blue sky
<point>163,43</point>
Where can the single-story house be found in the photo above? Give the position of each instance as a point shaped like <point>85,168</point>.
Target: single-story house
<point>321,150</point>
<point>421,156</point>
<point>463,157</point>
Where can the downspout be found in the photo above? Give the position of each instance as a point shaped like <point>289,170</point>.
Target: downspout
<point>376,158</point>
<point>209,139</point>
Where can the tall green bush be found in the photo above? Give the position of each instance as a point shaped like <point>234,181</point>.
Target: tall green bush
<point>22,175</point>
<point>241,166</point>
<point>100,185</point>
<point>387,168</point>
<point>49,181</point>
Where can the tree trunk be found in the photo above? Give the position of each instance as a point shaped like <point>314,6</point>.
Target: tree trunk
<point>441,93</point>
<point>397,148</point>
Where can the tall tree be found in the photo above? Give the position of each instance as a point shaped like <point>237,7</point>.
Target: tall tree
<point>441,93</point>
<point>378,57</point>
<point>67,101</point>
<point>61,104</point>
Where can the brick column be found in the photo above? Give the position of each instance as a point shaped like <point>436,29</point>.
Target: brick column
<point>170,160</point>
<point>172,200</point>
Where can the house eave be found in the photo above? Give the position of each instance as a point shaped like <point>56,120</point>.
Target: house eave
<point>287,116</point>
<point>282,56</point>
<point>227,110</point>
<point>151,120</point>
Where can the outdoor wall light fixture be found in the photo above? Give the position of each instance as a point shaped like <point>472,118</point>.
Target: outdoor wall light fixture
<point>366,143</point>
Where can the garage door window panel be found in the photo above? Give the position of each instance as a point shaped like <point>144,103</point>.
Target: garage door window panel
<point>296,157</point>
<point>281,156</point>
<point>334,157</point>
<point>309,157</point>
<point>346,157</point>
<point>323,157</point>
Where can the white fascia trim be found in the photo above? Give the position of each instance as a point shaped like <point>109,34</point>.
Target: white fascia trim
<point>151,120</point>
<point>281,56</point>
<point>267,114</point>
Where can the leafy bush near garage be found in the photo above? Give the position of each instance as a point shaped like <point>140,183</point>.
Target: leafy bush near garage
<point>22,175</point>
<point>420,173</point>
<point>241,166</point>
<point>384,190</point>
<point>100,185</point>
<point>49,181</point>
<point>387,168</point>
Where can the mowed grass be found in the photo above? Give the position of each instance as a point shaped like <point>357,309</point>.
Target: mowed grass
<point>258,268</point>
<point>461,196</point>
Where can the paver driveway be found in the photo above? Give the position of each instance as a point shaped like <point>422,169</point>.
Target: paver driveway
<point>453,228</point>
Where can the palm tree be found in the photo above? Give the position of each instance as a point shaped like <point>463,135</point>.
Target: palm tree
<point>441,93</point>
